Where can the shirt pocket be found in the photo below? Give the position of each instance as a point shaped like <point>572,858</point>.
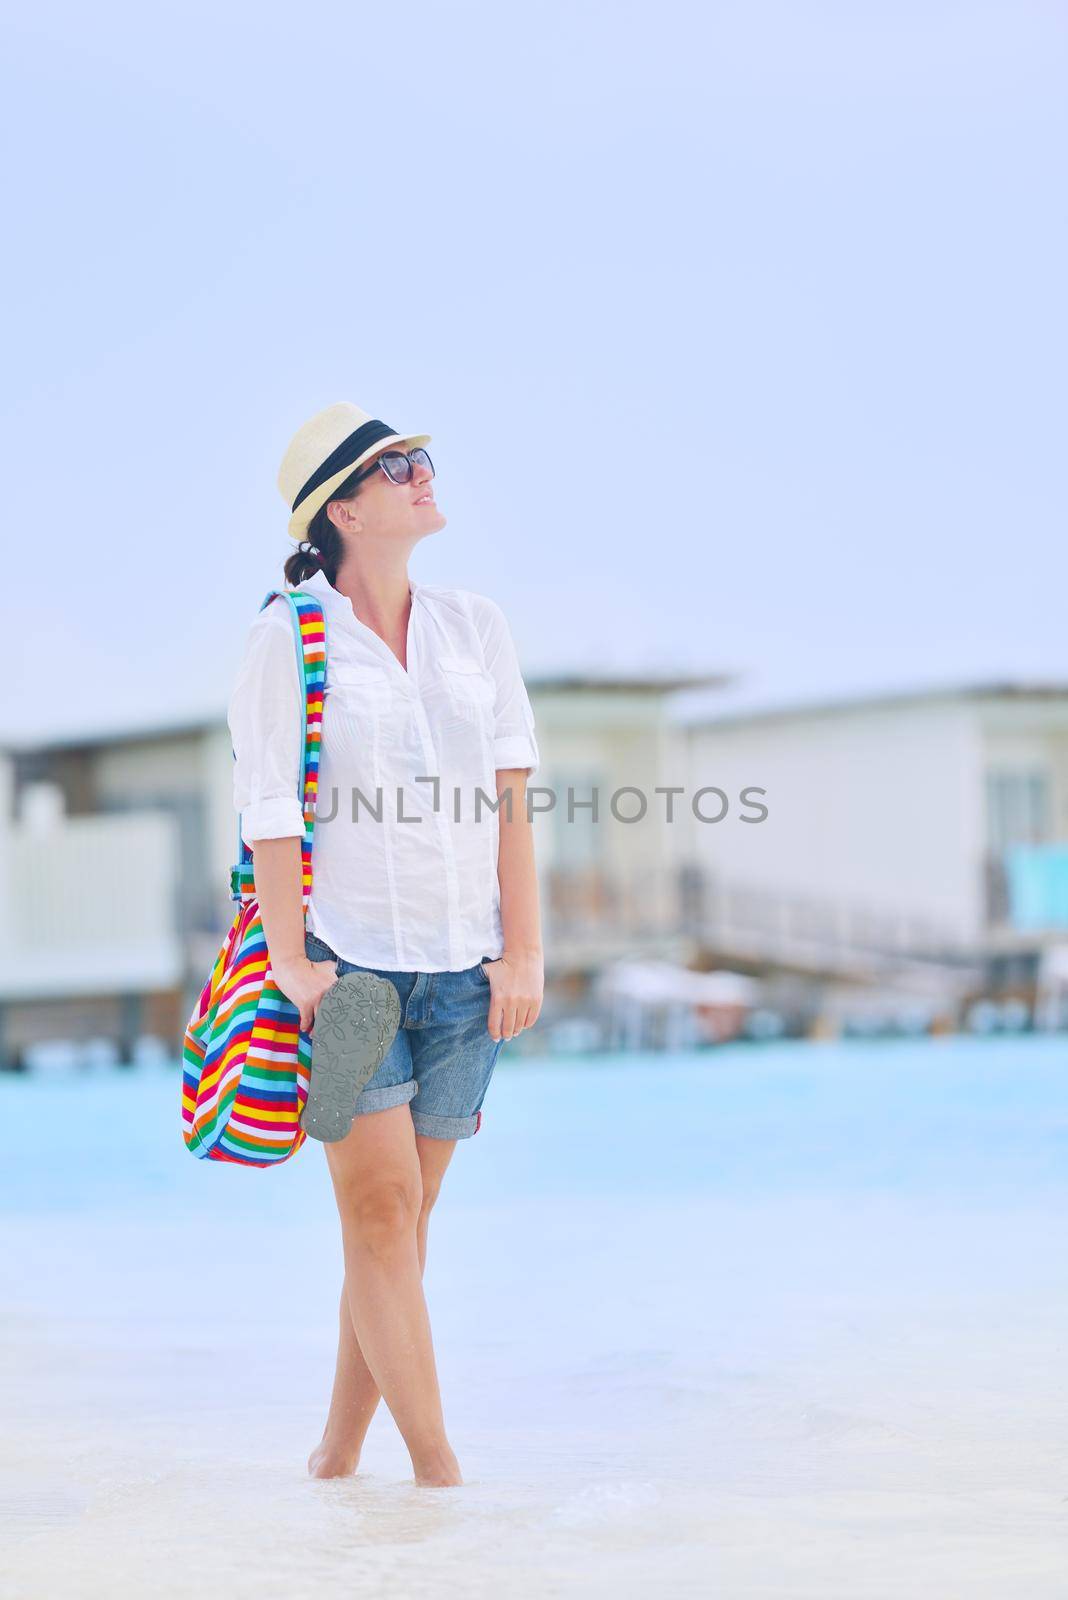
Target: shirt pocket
<point>360,695</point>
<point>469,688</point>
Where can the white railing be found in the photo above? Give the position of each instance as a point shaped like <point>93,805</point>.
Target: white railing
<point>761,924</point>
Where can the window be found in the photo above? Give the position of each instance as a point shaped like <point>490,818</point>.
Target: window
<point>579,843</point>
<point>1017,809</point>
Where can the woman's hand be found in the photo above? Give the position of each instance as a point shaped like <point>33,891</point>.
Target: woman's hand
<point>305,982</point>
<point>517,986</point>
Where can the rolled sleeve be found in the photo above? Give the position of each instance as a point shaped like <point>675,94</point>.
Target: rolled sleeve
<point>516,751</point>
<point>265,718</point>
<point>515,742</point>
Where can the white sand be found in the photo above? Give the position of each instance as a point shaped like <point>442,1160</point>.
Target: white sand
<point>778,1322</point>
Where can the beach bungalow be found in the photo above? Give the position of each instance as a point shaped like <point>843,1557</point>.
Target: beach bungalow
<point>928,820</point>
<point>116,846</point>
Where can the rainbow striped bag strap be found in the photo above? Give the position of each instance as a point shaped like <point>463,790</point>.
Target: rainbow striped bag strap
<point>309,637</point>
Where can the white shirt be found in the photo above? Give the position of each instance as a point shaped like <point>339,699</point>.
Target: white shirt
<point>398,894</point>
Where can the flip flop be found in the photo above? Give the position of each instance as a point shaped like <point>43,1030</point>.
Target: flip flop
<point>355,1023</point>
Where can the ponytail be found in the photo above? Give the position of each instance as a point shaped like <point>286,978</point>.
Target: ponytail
<point>322,550</point>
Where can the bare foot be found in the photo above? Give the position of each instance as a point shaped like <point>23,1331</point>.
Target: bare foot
<point>329,1461</point>
<point>439,1471</point>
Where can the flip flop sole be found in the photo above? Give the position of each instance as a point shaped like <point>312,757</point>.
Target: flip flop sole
<point>355,1023</point>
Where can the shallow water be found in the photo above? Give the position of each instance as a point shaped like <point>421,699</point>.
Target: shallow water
<point>784,1320</point>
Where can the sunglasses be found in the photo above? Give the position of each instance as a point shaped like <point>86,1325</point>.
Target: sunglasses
<point>398,465</point>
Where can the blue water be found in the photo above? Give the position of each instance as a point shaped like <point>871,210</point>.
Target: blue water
<point>784,1319</point>
<point>948,1114</point>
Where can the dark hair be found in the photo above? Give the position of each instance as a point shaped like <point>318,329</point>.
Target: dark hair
<point>322,549</point>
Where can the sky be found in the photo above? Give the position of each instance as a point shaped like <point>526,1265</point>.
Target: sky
<point>740,331</point>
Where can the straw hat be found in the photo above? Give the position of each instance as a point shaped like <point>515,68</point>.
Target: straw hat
<point>324,452</point>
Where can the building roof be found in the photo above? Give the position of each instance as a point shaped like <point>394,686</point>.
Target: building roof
<point>701,700</point>
<point>191,724</point>
<point>755,699</point>
<point>183,726</point>
<point>647,683</point>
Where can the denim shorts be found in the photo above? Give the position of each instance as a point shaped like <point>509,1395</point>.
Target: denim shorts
<point>443,1052</point>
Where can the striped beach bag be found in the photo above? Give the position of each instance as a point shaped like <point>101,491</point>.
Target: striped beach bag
<point>246,1060</point>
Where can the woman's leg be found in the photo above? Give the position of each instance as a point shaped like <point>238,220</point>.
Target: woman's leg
<point>356,1394</point>
<point>378,1184</point>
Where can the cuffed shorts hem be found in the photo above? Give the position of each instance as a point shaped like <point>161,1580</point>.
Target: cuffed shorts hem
<point>433,1127</point>
<point>394,1094</point>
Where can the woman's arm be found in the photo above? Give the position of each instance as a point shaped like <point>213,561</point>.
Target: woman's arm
<point>265,718</point>
<point>517,979</point>
<point>277,869</point>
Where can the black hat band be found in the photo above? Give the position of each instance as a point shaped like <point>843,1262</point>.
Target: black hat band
<point>348,451</point>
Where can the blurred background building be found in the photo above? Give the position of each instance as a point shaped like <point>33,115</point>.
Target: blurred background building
<point>911,871</point>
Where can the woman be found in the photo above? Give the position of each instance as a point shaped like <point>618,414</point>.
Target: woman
<point>423,873</point>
